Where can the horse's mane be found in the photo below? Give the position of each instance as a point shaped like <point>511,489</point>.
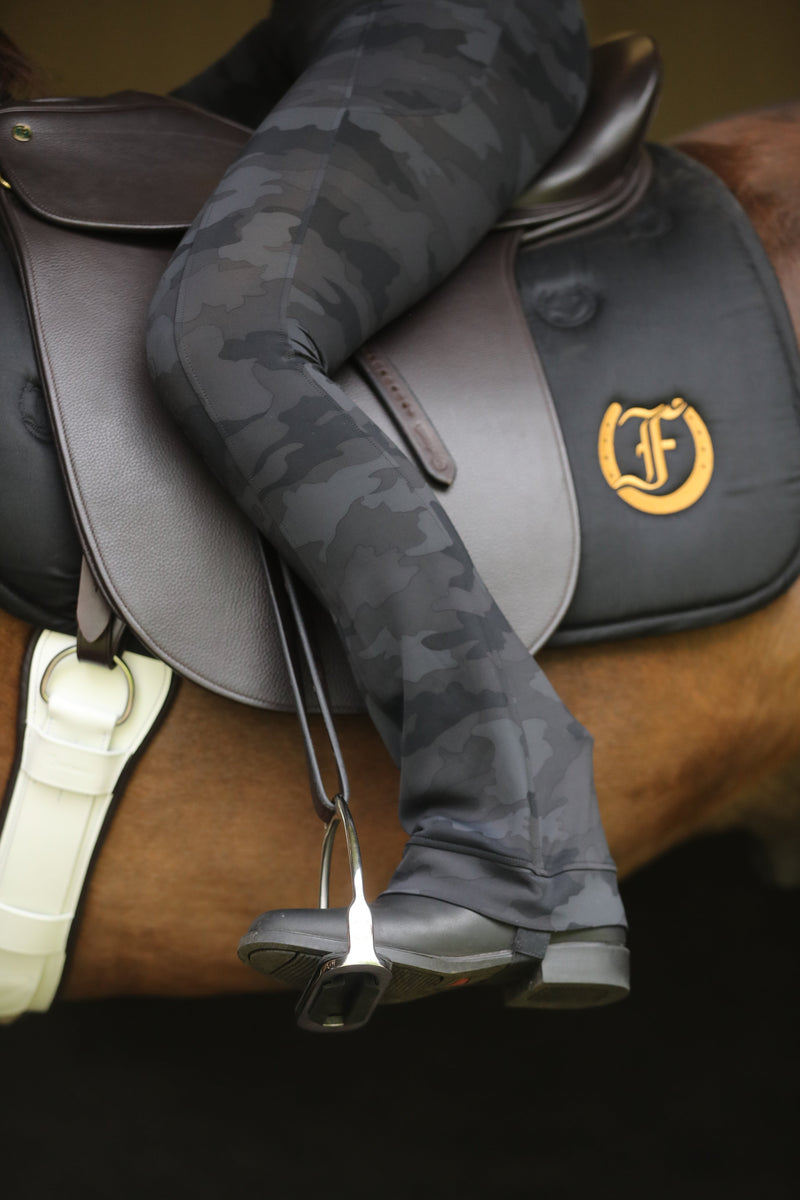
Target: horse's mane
<point>757,155</point>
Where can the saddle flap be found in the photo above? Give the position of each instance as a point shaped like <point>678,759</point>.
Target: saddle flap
<point>127,163</point>
<point>463,364</point>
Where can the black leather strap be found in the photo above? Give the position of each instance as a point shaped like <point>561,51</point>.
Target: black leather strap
<point>298,654</point>
<point>100,630</point>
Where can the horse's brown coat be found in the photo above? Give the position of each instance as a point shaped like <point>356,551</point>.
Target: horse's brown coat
<point>693,731</point>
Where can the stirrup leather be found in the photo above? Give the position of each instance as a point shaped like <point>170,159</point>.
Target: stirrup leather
<point>343,993</point>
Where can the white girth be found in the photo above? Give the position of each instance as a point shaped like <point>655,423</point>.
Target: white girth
<point>83,725</point>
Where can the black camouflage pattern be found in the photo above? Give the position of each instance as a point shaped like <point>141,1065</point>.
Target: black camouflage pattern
<point>409,130</point>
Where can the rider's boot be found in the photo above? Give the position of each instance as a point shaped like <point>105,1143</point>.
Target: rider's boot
<point>433,946</point>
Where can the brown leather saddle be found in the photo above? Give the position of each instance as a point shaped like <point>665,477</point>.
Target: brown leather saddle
<point>94,196</point>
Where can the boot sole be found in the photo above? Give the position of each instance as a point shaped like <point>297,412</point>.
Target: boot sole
<point>413,976</point>
<point>571,975</point>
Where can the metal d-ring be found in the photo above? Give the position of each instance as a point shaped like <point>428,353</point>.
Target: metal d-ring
<point>126,671</point>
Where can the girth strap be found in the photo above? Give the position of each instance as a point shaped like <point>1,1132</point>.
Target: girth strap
<point>83,726</point>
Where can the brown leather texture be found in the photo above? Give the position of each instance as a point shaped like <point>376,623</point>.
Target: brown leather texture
<point>130,162</point>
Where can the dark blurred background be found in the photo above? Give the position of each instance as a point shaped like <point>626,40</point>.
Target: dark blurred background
<point>721,55</point>
<point>687,1091</point>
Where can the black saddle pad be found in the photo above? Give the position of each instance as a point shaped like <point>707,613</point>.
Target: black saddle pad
<point>39,548</point>
<point>675,302</point>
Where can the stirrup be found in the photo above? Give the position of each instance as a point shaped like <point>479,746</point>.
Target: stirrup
<point>344,992</point>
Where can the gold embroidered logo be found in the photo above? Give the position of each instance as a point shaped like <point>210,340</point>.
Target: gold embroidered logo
<point>652,448</point>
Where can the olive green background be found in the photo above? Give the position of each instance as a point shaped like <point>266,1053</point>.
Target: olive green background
<point>720,55</point>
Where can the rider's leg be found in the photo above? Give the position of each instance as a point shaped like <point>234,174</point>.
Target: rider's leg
<point>411,131</point>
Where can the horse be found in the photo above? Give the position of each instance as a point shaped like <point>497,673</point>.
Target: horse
<point>215,824</point>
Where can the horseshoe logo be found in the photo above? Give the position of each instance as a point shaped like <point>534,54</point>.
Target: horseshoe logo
<point>652,448</point>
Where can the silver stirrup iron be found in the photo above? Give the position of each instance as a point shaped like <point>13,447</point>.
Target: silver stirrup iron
<point>345,991</point>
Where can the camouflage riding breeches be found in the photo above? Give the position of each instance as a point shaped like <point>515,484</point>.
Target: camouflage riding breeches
<point>409,127</point>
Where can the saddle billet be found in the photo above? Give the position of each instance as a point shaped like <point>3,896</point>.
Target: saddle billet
<point>92,206</point>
